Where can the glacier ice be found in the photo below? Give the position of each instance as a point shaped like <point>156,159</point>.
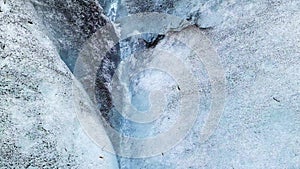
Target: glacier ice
<point>40,41</point>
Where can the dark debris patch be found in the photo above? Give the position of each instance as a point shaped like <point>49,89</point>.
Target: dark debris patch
<point>152,44</point>
<point>276,99</point>
<point>137,6</point>
<point>2,45</point>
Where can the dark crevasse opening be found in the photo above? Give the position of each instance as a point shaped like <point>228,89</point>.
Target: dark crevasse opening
<point>120,52</point>
<point>69,24</point>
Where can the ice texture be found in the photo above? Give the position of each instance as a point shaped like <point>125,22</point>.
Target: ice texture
<point>257,43</point>
<point>38,123</point>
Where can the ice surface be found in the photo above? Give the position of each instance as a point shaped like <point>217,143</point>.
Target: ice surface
<point>38,123</point>
<point>258,45</point>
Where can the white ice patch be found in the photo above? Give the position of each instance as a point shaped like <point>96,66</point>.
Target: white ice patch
<point>4,7</point>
